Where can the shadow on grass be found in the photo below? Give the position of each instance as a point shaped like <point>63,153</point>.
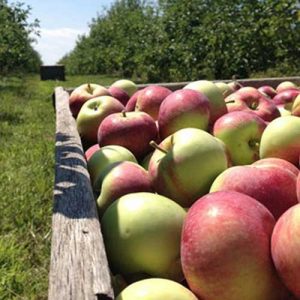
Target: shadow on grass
<point>11,118</point>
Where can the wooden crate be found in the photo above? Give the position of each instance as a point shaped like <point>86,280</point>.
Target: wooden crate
<point>79,267</point>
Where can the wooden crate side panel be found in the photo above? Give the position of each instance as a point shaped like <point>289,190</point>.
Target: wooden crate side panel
<point>79,268</point>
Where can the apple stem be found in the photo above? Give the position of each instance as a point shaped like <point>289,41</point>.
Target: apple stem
<point>155,146</point>
<point>90,90</point>
<point>230,101</point>
<point>124,113</point>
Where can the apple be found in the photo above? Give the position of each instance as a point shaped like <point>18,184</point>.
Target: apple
<point>83,93</point>
<point>225,89</point>
<point>181,109</point>
<point>90,151</point>
<point>286,98</point>
<point>284,111</point>
<point>92,113</point>
<point>185,164</point>
<point>277,162</point>
<point>250,99</point>
<point>104,157</point>
<point>130,105</point>
<point>225,249</point>
<point>155,289</point>
<point>214,95</point>
<point>241,132</point>
<point>235,85</point>
<point>145,161</point>
<point>295,111</point>
<point>126,85</point>
<point>285,85</point>
<point>132,130</point>
<point>281,139</point>
<point>271,185</point>
<point>141,233</point>
<point>121,178</point>
<point>268,91</point>
<point>150,98</point>
<point>285,248</point>
<point>119,94</point>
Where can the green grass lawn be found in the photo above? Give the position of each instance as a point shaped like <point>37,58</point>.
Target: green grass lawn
<point>27,145</point>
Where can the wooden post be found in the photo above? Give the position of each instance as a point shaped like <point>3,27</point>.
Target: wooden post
<point>79,267</point>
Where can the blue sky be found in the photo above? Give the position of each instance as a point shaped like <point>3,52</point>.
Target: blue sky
<point>61,21</point>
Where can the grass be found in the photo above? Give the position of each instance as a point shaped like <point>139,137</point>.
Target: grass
<point>27,143</point>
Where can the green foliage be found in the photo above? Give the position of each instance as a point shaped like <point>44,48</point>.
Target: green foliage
<point>173,40</point>
<point>16,36</point>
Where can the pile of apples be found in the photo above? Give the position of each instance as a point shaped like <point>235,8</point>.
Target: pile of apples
<point>197,189</point>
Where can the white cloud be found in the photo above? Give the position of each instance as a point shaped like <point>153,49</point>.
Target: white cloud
<point>53,44</point>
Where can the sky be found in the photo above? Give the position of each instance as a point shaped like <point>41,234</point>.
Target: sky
<point>61,21</point>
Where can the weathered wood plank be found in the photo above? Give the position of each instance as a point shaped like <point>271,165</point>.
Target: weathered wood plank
<point>79,268</point>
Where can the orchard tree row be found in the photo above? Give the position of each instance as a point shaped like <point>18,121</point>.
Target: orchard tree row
<point>172,40</point>
<point>16,37</point>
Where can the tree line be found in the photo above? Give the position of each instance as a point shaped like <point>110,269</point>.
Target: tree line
<point>174,40</point>
<point>16,37</point>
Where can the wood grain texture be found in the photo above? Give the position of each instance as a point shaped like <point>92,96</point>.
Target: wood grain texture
<point>79,268</point>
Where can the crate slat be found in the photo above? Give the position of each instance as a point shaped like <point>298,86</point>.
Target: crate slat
<point>79,268</point>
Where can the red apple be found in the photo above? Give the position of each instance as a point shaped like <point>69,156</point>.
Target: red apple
<point>285,248</point>
<point>225,249</point>
<point>250,99</point>
<point>150,98</point>
<point>119,94</point>
<point>90,151</point>
<point>83,93</point>
<point>285,85</point>
<point>132,130</point>
<point>181,109</point>
<point>286,98</point>
<point>268,91</point>
<point>130,105</point>
<point>271,185</point>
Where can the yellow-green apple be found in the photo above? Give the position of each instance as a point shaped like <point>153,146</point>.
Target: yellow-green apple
<point>145,161</point>
<point>295,111</point>
<point>132,130</point>
<point>150,98</point>
<point>285,85</point>
<point>90,151</point>
<point>155,289</point>
<point>83,93</point>
<point>241,132</point>
<point>217,105</point>
<point>273,186</point>
<point>285,248</point>
<point>281,139</point>
<point>127,85</point>
<point>225,249</point>
<point>92,113</point>
<point>185,164</point>
<point>225,89</point>
<point>283,110</point>
<point>141,233</point>
<point>119,94</point>
<point>286,98</point>
<point>182,109</point>
<point>130,105</point>
<point>268,91</point>
<point>104,157</point>
<point>250,99</point>
<point>122,178</point>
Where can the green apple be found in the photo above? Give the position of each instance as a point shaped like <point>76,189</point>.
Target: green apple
<point>106,156</point>
<point>127,85</point>
<point>225,89</point>
<point>141,233</point>
<point>213,93</point>
<point>296,107</point>
<point>241,132</point>
<point>156,289</point>
<point>185,164</point>
<point>92,113</point>
<point>281,139</point>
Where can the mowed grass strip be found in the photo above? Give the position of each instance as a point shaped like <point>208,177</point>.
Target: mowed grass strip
<point>27,145</point>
